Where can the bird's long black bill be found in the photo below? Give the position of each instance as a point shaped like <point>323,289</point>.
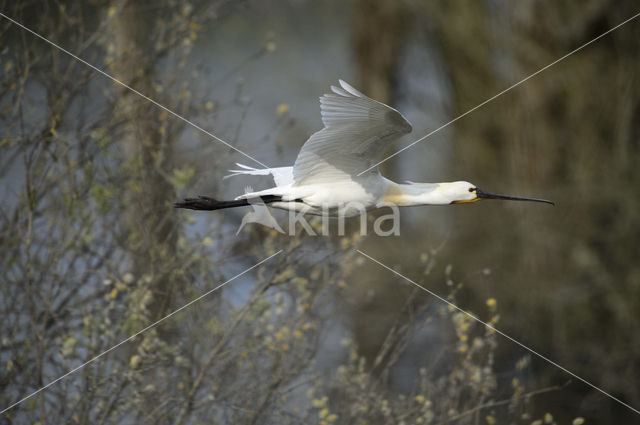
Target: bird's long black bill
<point>487,195</point>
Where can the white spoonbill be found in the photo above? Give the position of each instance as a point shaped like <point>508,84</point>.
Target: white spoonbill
<point>327,177</point>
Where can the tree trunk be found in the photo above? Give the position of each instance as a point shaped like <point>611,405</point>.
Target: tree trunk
<point>147,213</point>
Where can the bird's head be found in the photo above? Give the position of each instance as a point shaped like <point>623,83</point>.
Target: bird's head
<point>465,192</point>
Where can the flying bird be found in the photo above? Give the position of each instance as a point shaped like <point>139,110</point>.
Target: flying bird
<point>327,177</point>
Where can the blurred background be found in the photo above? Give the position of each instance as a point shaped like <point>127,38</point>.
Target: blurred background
<point>93,252</point>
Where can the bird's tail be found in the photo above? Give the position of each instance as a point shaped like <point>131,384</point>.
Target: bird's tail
<point>245,169</point>
<point>205,203</point>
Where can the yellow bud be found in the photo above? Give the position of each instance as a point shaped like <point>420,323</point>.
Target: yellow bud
<point>135,361</point>
<point>282,109</point>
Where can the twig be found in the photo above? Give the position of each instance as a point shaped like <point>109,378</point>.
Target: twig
<point>503,402</point>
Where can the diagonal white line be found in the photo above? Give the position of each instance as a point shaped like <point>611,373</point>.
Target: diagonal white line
<point>548,360</point>
<point>502,92</point>
<point>138,333</point>
<point>132,89</point>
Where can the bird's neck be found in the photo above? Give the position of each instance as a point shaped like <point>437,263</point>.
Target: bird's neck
<point>406,195</point>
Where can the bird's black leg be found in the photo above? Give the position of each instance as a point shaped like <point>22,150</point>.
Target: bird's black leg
<point>205,203</point>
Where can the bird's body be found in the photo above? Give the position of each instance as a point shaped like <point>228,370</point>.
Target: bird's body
<point>335,173</point>
<point>341,197</point>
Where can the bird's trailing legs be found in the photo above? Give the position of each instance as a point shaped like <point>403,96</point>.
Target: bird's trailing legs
<point>205,203</point>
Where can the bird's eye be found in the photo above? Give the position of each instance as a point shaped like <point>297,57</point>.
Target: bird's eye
<point>472,189</point>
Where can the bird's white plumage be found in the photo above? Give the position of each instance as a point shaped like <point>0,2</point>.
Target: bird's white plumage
<point>357,130</point>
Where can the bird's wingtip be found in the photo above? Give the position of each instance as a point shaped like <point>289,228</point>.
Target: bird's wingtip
<point>349,88</point>
<point>339,91</point>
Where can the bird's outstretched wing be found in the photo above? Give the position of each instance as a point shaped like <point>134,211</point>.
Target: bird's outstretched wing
<point>357,129</point>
